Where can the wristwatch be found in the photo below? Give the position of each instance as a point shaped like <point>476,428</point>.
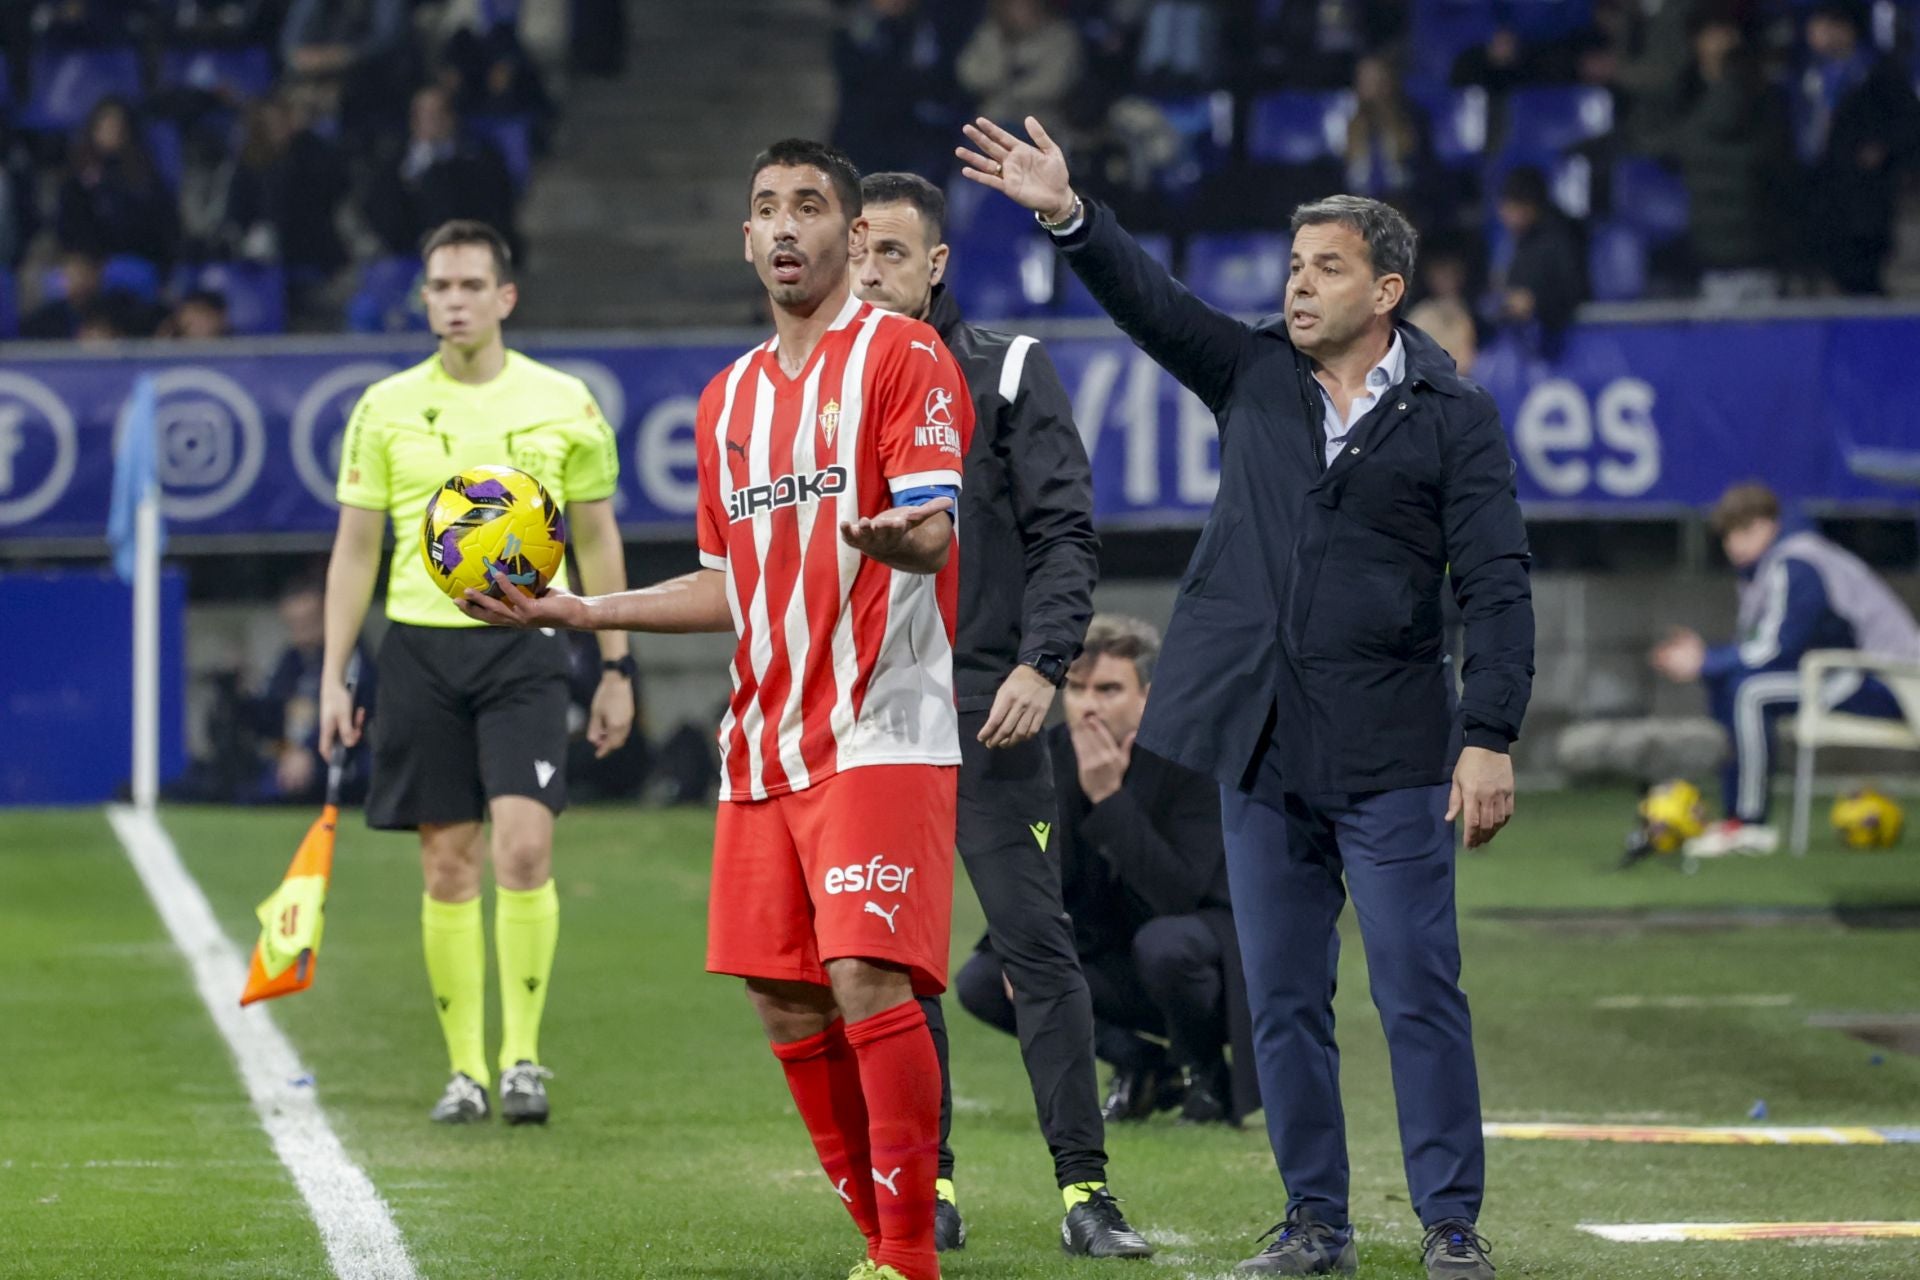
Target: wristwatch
<point>1051,666</point>
<point>623,665</point>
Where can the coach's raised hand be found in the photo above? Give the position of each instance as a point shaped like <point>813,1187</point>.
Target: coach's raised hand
<point>904,538</point>
<point>1033,174</point>
<point>515,608</point>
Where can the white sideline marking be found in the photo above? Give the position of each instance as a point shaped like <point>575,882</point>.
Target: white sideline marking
<point>356,1227</point>
<point>1694,1002</point>
<point>1668,1232</point>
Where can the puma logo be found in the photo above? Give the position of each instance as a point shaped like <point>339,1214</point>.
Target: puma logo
<point>886,1180</point>
<point>443,1002</point>
<point>933,352</point>
<point>1042,832</point>
<point>840,1189</point>
<point>431,415</point>
<point>873,909</point>
<point>533,985</point>
<point>734,446</point>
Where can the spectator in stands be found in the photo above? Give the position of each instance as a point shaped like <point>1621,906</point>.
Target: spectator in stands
<point>197,317</point>
<point>1728,143</point>
<point>1496,66</point>
<point>1387,142</point>
<point>283,191</point>
<point>1145,880</point>
<point>490,73</point>
<point>230,22</point>
<point>1025,59</point>
<point>113,200</point>
<point>1447,269</point>
<point>899,102</point>
<point>440,176</point>
<point>1313,44</point>
<point>1448,322</point>
<point>58,318</point>
<point>1180,47</point>
<point>357,52</point>
<point>1798,592</point>
<point>1543,281</point>
<point>1857,124</point>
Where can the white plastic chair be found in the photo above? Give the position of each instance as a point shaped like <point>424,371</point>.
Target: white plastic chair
<point>1818,726</point>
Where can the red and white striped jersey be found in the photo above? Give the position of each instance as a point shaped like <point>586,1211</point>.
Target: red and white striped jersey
<point>842,661</point>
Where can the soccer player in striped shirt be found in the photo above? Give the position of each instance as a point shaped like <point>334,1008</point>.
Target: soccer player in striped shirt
<point>830,463</point>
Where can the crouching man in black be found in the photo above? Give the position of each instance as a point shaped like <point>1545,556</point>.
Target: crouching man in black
<point>1145,880</point>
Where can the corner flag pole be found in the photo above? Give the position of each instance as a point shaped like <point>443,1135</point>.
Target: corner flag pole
<point>135,530</point>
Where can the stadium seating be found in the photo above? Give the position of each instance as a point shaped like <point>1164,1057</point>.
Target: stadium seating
<point>1543,122</point>
<point>1457,121</point>
<point>234,74</point>
<point>1616,262</point>
<point>1204,124</point>
<point>167,150</point>
<point>1242,272</point>
<point>1649,197</point>
<point>9,307</point>
<point>67,83</point>
<point>387,300</point>
<point>1298,128</point>
<point>256,293</point>
<point>122,273</point>
<point>1070,297</point>
<point>512,138</point>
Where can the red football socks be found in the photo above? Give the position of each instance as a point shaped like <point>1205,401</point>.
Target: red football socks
<point>900,1079</point>
<point>824,1078</point>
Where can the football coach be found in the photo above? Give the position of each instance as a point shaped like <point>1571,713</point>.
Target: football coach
<point>1305,670</point>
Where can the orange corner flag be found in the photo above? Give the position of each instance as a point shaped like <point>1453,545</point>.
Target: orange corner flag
<point>293,918</point>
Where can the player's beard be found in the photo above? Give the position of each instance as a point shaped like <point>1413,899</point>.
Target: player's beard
<point>812,284</point>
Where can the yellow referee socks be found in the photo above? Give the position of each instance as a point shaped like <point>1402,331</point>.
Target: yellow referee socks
<point>526,928</point>
<point>456,948</point>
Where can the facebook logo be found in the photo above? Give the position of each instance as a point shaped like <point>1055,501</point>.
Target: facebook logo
<point>12,440</point>
<point>39,448</point>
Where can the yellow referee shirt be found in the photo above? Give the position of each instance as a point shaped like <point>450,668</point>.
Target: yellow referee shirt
<point>412,431</point>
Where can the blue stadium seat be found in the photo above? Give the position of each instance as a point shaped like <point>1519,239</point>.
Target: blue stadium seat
<point>165,148</point>
<point>1569,181</point>
<point>388,299</point>
<point>1070,297</point>
<point>234,74</point>
<point>1616,262</point>
<point>1543,21</point>
<point>1457,120</point>
<point>512,137</point>
<point>1298,128</point>
<point>9,308</point>
<point>1204,123</point>
<point>66,83</point>
<point>130,274</point>
<point>256,293</point>
<point>1649,197</point>
<point>1442,31</point>
<point>1239,271</point>
<point>1542,122</point>
<point>1004,277</point>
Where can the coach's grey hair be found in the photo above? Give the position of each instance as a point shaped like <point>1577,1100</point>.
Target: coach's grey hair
<point>1390,238</point>
<point>1123,637</point>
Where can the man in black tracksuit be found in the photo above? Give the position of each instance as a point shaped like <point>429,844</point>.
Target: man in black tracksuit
<point>1026,593</point>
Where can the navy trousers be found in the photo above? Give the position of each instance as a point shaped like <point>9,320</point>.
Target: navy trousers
<point>1750,707</point>
<point>1292,861</point>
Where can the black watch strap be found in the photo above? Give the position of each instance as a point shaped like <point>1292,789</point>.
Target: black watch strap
<point>1051,666</point>
<point>624,664</point>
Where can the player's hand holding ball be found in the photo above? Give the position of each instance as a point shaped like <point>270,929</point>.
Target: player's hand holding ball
<point>1031,174</point>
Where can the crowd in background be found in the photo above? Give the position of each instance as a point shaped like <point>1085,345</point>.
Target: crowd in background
<point>191,168</point>
<point>1550,151</point>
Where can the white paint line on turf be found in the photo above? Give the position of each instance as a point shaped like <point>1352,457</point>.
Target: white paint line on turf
<point>355,1224</point>
<point>1670,1232</point>
<point>1694,1002</point>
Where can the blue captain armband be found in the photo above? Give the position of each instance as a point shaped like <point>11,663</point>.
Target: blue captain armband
<point>923,494</point>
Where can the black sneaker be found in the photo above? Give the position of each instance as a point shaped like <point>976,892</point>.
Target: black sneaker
<point>1302,1247</point>
<point>949,1228</point>
<point>464,1102</point>
<point>1138,1092</point>
<point>523,1093</point>
<point>1205,1101</point>
<point>1453,1250</point>
<point>1095,1228</point>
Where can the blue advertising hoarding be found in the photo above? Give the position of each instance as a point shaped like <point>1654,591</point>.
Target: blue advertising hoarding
<point>1626,417</point>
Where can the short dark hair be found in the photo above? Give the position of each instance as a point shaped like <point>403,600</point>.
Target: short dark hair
<point>792,153</point>
<point>205,298</point>
<point>1525,185</point>
<point>463,231</point>
<point>908,188</point>
<point>1119,636</point>
<point>1391,239</point>
<point>1845,11</point>
<point>1742,505</point>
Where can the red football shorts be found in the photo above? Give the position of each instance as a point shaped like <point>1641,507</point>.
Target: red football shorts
<point>860,865</point>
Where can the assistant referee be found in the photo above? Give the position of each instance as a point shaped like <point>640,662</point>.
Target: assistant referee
<point>471,725</point>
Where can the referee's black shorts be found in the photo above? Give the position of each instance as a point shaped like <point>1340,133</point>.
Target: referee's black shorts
<point>463,715</point>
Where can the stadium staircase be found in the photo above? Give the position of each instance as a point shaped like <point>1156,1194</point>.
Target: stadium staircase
<point>635,221</point>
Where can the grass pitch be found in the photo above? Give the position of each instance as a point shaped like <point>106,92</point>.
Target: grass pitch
<point>128,1148</point>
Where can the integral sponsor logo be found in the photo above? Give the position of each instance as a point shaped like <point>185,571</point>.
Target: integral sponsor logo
<point>788,491</point>
<point>939,407</point>
<point>211,442</point>
<point>39,448</point>
<point>319,427</point>
<point>830,421</point>
<point>876,875</point>
<point>945,439</point>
